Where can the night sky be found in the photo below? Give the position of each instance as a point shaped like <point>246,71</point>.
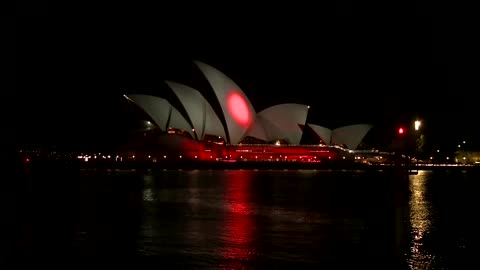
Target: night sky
<point>352,63</point>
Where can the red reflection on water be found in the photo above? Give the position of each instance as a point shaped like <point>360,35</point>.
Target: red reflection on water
<point>239,224</point>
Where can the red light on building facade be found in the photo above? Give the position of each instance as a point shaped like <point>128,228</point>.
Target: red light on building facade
<point>239,109</point>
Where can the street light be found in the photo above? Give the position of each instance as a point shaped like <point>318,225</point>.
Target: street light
<point>418,123</point>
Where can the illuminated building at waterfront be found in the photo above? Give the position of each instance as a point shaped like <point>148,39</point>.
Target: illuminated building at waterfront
<point>238,132</point>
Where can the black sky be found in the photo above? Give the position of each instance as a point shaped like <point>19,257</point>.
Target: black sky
<point>372,63</point>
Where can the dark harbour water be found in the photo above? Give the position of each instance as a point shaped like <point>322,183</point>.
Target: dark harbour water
<point>247,219</point>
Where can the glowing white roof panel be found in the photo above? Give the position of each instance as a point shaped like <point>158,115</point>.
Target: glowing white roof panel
<point>258,130</point>
<point>324,133</point>
<point>162,112</point>
<point>179,122</point>
<point>238,111</point>
<point>285,118</point>
<point>350,135</point>
<point>202,115</point>
<point>157,108</point>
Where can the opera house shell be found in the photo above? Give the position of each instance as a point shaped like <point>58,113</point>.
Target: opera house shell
<point>209,135</point>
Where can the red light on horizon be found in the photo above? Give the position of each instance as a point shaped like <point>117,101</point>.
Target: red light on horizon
<point>401,131</point>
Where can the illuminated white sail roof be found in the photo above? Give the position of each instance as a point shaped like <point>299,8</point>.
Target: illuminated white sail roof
<point>283,121</point>
<point>161,112</point>
<point>324,133</point>
<point>157,108</point>
<point>179,122</point>
<point>258,130</point>
<point>351,135</point>
<point>202,115</point>
<point>238,111</point>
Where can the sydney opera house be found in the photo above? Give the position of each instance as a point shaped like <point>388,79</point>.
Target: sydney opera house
<point>238,132</point>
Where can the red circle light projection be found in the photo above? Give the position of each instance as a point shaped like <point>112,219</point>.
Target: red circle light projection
<point>238,108</point>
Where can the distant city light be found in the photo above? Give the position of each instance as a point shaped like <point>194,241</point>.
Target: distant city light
<point>464,141</point>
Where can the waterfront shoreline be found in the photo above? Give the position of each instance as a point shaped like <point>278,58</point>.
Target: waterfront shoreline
<point>259,165</point>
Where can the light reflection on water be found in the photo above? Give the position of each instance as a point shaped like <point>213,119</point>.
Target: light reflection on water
<point>246,219</point>
<point>420,221</point>
<point>241,219</point>
<point>237,233</point>
<point>148,194</point>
